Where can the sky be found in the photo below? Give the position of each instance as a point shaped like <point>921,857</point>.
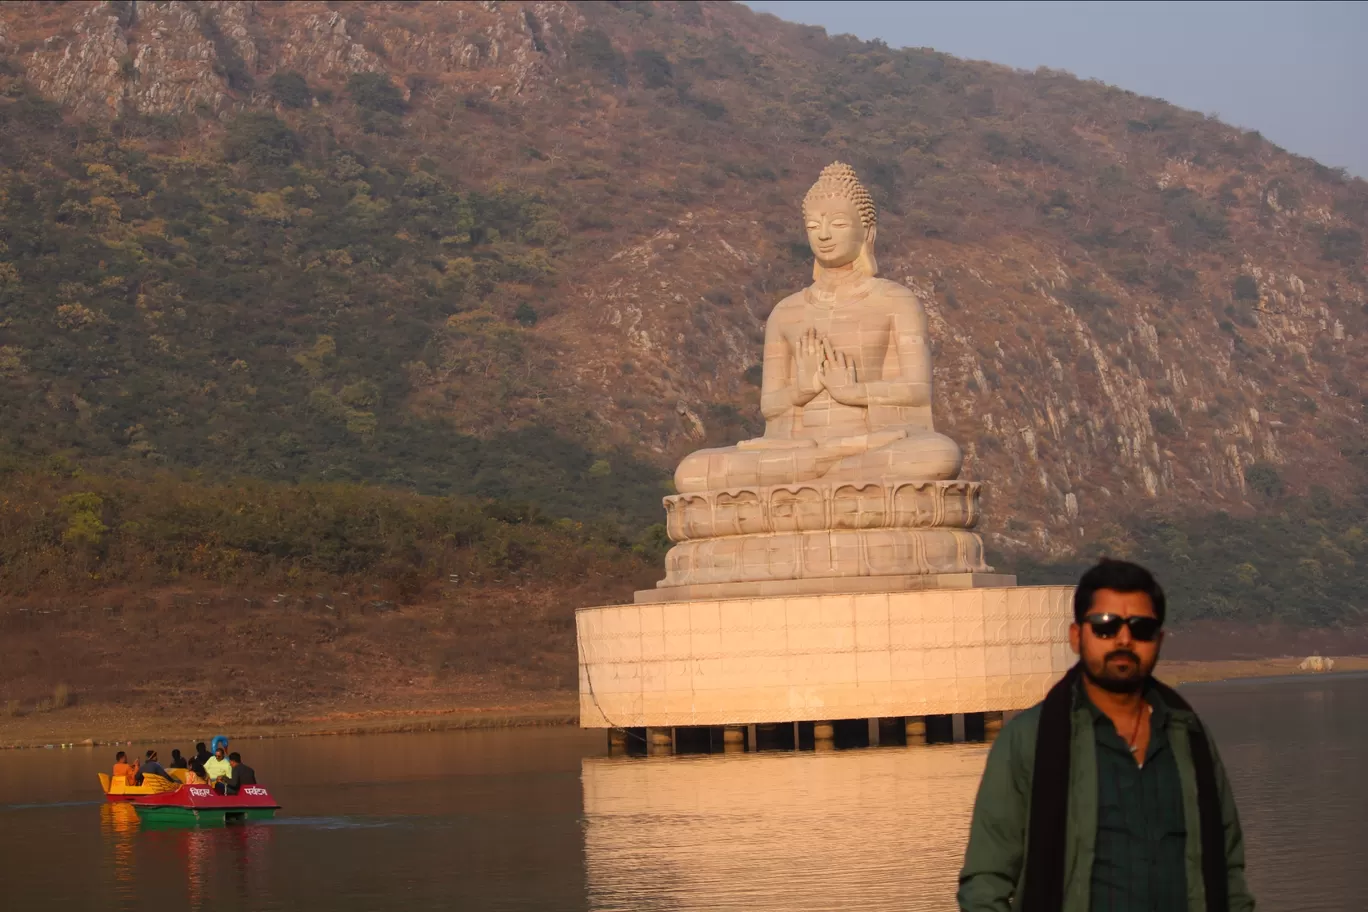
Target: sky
<point>1296,72</point>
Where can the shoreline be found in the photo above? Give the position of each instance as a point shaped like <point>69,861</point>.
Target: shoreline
<point>375,722</point>
<point>83,726</point>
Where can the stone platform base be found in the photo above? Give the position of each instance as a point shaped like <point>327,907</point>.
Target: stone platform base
<point>821,657</point>
<point>839,553</point>
<point>833,585</point>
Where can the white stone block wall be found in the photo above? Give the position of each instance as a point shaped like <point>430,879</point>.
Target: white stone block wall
<point>821,657</point>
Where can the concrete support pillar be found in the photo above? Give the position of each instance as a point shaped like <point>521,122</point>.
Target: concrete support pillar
<point>733,739</point>
<point>823,736</point>
<point>617,740</point>
<point>992,726</point>
<point>915,727</point>
<point>659,741</point>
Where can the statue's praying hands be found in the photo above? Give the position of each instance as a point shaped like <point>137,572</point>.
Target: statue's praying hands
<point>809,353</point>
<point>837,374</point>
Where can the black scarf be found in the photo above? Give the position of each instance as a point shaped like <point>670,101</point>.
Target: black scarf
<point>1043,890</point>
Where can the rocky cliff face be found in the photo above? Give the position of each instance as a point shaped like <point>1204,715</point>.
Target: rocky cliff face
<point>206,57</point>
<point>1132,305</point>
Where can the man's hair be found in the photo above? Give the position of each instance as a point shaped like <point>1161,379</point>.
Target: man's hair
<point>151,753</point>
<point>235,757</point>
<point>199,745</point>
<point>120,756</point>
<point>175,751</point>
<point>1118,576</point>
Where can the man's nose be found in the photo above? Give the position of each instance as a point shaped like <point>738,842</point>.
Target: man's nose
<point>824,230</point>
<point>1123,636</point>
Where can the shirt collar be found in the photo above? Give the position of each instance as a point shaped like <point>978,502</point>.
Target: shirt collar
<point>1158,719</point>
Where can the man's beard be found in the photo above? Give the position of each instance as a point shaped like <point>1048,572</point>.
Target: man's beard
<point>1109,679</point>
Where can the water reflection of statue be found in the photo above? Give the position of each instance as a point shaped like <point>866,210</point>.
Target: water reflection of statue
<point>846,390</point>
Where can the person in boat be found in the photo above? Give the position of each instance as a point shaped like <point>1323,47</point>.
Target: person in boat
<point>150,767</point>
<point>242,775</point>
<point>202,753</point>
<point>197,774</point>
<point>122,768</point>
<point>177,761</point>
<point>218,769</point>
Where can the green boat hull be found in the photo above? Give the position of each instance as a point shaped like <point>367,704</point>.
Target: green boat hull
<point>182,816</point>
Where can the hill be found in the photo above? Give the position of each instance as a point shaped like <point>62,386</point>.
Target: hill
<point>524,252</point>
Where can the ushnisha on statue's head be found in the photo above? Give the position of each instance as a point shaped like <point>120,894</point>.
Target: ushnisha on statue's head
<point>841,223</point>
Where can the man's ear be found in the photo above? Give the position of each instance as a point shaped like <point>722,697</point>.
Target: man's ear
<point>1076,639</point>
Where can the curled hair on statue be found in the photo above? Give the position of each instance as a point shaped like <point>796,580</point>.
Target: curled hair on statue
<point>839,180</point>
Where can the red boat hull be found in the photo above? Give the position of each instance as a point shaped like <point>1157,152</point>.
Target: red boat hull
<point>200,801</point>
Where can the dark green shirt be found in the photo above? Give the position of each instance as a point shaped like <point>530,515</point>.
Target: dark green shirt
<point>1139,864</point>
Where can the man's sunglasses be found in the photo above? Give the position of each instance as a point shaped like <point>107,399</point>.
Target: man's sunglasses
<point>1106,626</point>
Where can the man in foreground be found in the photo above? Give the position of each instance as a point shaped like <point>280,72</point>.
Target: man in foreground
<point>1109,794</point>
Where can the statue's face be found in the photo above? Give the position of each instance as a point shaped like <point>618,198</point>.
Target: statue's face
<point>834,231</point>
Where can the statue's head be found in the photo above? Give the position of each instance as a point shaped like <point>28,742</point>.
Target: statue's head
<point>841,221</point>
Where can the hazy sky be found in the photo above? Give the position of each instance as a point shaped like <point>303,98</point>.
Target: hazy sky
<point>1296,72</point>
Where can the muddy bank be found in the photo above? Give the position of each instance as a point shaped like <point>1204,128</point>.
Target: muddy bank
<point>107,725</point>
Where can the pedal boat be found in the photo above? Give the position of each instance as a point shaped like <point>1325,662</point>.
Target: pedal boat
<point>201,804</point>
<point>122,790</point>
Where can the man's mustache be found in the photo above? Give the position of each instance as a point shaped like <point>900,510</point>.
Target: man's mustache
<point>1122,654</point>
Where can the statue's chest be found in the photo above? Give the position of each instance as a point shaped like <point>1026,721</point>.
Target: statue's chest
<point>853,331</point>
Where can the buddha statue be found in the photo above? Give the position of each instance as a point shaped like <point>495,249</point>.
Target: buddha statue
<point>850,489</point>
<point>846,390</point>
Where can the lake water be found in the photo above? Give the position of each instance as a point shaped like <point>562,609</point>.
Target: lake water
<point>543,819</point>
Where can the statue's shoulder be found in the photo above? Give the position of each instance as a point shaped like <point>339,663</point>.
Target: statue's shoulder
<point>901,294</point>
<point>890,289</point>
<point>790,304</point>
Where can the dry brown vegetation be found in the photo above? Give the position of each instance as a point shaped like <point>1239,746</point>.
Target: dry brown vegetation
<point>191,662</point>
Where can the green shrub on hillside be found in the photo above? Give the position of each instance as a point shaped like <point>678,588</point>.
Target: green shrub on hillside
<point>593,48</point>
<point>291,89</point>
<point>260,138</point>
<point>1246,288</point>
<point>1343,245</point>
<point>654,67</point>
<point>1264,479</point>
<point>375,92</point>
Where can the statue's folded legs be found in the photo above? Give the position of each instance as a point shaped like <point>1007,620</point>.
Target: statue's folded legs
<point>922,455</point>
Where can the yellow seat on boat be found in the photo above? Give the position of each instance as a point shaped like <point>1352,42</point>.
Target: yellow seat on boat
<point>151,785</point>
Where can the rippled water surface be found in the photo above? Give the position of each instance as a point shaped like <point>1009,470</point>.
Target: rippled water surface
<point>543,819</point>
